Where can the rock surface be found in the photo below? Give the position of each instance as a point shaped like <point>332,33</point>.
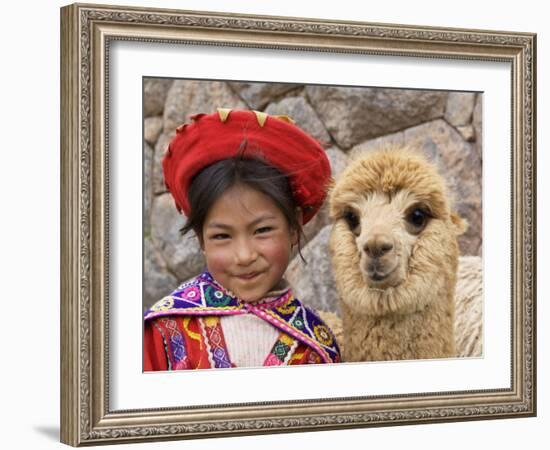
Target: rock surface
<point>303,114</point>
<point>477,124</point>
<point>160,148</point>
<point>353,115</point>
<point>313,282</point>
<point>157,279</point>
<point>152,128</point>
<point>388,141</point>
<point>460,106</point>
<point>258,95</point>
<point>148,155</point>
<point>182,254</point>
<point>191,97</point>
<point>155,91</point>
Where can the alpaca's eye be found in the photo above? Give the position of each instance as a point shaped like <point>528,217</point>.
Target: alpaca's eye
<point>351,219</point>
<point>417,218</point>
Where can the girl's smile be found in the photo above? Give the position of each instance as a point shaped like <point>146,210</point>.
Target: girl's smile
<point>249,276</point>
<point>247,242</point>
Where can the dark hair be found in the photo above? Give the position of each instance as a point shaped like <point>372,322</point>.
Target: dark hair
<point>211,182</point>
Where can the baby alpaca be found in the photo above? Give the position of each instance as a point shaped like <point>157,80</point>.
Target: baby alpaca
<point>395,255</point>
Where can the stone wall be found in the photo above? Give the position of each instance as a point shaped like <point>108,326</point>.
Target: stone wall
<point>348,121</point>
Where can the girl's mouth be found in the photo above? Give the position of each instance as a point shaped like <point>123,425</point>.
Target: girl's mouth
<point>249,276</point>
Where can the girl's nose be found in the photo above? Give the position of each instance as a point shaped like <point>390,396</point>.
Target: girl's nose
<point>245,253</point>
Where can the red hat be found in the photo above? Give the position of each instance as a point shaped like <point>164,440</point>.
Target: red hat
<point>252,134</point>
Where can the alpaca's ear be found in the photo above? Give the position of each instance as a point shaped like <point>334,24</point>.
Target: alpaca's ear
<point>330,185</point>
<point>460,224</point>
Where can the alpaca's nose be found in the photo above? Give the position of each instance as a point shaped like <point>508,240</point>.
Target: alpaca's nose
<point>378,245</point>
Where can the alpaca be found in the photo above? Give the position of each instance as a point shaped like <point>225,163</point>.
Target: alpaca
<point>394,254</point>
<point>468,325</point>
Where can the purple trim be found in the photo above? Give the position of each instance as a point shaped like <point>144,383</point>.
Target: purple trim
<point>201,311</point>
<point>273,304</point>
<point>186,300</point>
<point>287,329</point>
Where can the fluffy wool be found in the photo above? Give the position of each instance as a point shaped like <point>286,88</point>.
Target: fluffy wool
<point>412,317</point>
<point>469,307</point>
<point>468,324</point>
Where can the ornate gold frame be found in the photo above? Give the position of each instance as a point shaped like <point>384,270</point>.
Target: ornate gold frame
<point>86,31</point>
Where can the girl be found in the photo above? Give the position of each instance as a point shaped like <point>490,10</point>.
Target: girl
<point>246,182</point>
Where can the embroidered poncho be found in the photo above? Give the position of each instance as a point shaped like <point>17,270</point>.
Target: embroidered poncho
<point>183,330</point>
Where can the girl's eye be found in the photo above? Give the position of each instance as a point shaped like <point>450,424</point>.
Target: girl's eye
<point>219,236</point>
<point>264,230</point>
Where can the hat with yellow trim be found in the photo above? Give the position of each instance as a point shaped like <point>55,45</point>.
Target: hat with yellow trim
<point>249,134</point>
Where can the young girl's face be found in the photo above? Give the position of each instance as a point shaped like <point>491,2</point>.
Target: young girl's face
<point>247,242</point>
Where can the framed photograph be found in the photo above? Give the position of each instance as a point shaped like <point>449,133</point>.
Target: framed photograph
<point>464,99</point>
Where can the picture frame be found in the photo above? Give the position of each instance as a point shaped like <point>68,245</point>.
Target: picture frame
<point>88,33</point>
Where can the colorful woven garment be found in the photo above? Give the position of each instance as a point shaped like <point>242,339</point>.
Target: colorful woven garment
<point>183,330</point>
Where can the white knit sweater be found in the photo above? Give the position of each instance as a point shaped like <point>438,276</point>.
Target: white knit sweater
<point>249,339</point>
